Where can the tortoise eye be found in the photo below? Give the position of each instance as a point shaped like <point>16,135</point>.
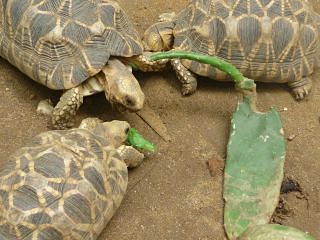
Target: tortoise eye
<point>127,130</point>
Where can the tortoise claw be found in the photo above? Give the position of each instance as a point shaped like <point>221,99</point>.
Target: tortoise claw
<point>301,88</point>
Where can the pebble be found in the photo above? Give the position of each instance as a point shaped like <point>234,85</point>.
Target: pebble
<point>291,137</point>
<point>45,107</point>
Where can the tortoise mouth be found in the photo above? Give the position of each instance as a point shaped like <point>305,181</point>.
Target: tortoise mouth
<point>127,103</point>
<point>123,108</point>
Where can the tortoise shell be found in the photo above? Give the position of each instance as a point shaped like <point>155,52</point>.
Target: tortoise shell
<point>64,185</point>
<point>268,40</point>
<point>62,43</point>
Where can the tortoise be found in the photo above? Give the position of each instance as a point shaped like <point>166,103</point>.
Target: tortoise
<point>267,40</point>
<point>82,47</point>
<point>66,184</point>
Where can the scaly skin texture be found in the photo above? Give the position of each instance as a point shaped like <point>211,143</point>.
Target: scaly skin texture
<point>142,63</point>
<point>65,111</point>
<point>187,78</point>
<point>269,41</point>
<point>65,184</point>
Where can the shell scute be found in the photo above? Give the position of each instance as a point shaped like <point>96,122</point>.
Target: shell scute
<point>50,165</point>
<point>25,198</point>
<point>256,9</point>
<point>265,2</point>
<point>77,207</point>
<point>96,179</point>
<point>39,217</point>
<point>50,233</point>
<point>249,32</point>
<point>241,8</point>
<point>84,11</point>
<point>17,9</point>
<point>282,36</point>
<point>217,32</point>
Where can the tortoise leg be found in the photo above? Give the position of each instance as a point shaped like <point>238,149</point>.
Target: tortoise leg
<point>188,80</point>
<point>142,63</point>
<point>301,88</point>
<point>131,156</point>
<point>64,112</point>
<point>167,17</point>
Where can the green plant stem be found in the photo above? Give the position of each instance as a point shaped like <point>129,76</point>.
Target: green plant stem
<point>245,85</point>
<point>241,81</point>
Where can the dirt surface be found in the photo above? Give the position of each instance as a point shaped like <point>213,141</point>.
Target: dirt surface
<point>172,194</point>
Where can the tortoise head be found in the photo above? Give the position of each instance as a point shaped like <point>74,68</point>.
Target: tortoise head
<point>121,87</point>
<point>115,132</point>
<point>159,37</point>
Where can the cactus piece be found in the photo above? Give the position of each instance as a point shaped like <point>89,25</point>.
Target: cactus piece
<point>254,168</point>
<point>136,140</point>
<point>274,232</point>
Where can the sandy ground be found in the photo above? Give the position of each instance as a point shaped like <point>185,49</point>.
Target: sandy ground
<point>172,195</point>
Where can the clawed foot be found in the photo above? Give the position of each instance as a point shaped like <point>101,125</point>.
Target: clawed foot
<point>302,88</point>
<point>188,89</point>
<point>300,92</point>
<point>187,79</point>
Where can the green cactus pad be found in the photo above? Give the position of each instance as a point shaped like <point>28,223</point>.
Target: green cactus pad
<point>274,232</point>
<point>254,168</point>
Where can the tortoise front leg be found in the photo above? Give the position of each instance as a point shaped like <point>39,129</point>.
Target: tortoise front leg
<point>131,156</point>
<point>142,63</point>
<point>64,112</point>
<point>301,88</point>
<point>187,79</point>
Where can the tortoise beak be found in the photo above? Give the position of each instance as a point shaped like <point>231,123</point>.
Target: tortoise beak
<point>121,108</point>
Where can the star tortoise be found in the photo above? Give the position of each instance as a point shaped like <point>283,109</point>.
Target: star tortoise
<point>66,184</point>
<point>267,40</point>
<point>81,46</point>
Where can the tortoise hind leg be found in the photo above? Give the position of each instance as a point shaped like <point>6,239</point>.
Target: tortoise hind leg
<point>301,88</point>
<point>187,79</point>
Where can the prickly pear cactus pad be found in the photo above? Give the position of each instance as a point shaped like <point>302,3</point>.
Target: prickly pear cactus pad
<point>254,168</point>
<point>274,232</point>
